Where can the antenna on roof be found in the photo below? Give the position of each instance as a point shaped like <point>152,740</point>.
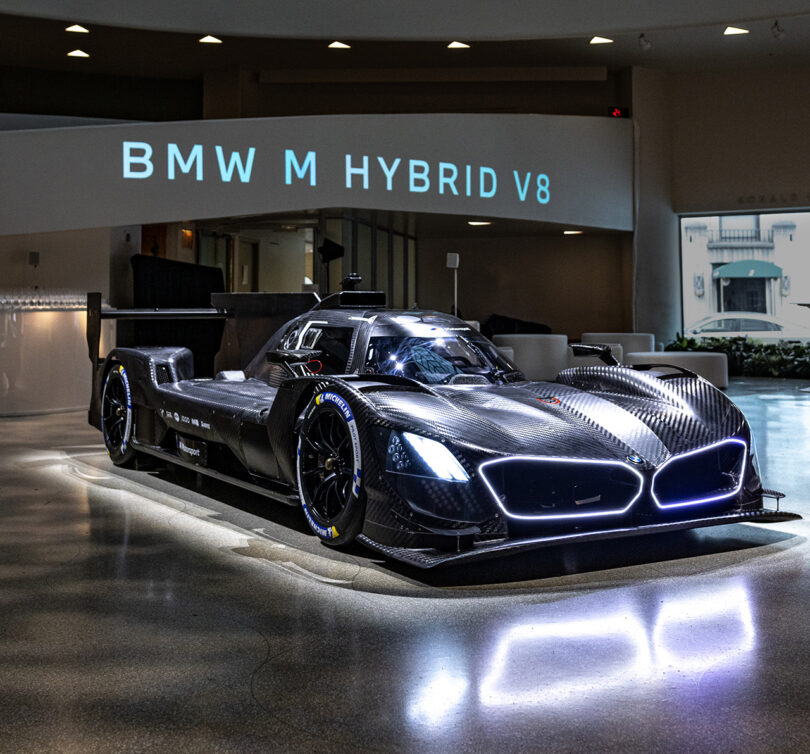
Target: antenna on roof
<point>351,281</point>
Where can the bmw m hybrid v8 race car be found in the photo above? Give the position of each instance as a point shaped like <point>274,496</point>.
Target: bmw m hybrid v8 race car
<point>410,433</point>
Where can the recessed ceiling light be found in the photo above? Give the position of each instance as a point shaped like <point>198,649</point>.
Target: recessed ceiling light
<point>573,232</point>
<point>339,46</point>
<point>78,54</point>
<point>458,46</point>
<point>731,30</point>
<point>476,223</point>
<point>209,40</point>
<point>601,41</point>
<point>78,29</point>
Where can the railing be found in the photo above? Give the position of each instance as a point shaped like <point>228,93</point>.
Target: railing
<point>736,235</point>
<point>35,300</point>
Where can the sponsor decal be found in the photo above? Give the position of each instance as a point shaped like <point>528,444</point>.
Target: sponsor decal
<point>187,448</point>
<point>549,399</point>
<point>128,427</point>
<point>331,532</point>
<point>193,449</point>
<point>336,400</point>
<point>121,371</point>
<point>174,415</point>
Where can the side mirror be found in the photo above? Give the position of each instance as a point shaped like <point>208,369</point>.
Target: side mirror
<point>600,350</point>
<point>282,356</point>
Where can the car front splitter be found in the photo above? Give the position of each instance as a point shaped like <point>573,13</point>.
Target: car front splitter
<point>423,558</point>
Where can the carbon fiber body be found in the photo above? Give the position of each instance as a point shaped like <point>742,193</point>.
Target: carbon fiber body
<point>466,464</point>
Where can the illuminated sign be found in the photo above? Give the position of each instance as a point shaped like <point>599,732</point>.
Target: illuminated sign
<point>573,170</point>
<point>416,176</point>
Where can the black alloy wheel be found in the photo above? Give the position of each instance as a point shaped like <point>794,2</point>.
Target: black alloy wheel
<point>330,493</point>
<point>116,417</point>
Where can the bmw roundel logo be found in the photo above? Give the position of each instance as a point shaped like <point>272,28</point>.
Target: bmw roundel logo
<point>635,459</point>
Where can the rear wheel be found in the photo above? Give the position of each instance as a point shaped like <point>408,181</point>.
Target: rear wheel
<point>116,416</point>
<point>329,470</point>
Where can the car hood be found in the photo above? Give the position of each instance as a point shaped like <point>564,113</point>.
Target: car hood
<point>589,412</point>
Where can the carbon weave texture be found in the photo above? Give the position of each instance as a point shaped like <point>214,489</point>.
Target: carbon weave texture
<point>609,413</point>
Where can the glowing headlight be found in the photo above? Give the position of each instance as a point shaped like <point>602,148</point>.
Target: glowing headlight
<point>408,453</point>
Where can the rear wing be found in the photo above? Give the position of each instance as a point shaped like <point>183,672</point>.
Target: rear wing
<point>95,313</point>
<point>249,320</point>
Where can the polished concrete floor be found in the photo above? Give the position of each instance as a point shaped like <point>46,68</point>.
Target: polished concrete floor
<point>149,612</point>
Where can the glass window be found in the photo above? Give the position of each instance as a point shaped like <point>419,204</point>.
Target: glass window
<point>746,274</point>
<point>719,325</point>
<point>381,283</point>
<point>363,267</point>
<point>758,325</point>
<point>437,358</point>
<point>289,340</point>
<point>335,345</point>
<point>334,269</point>
<point>398,294</point>
<point>411,297</point>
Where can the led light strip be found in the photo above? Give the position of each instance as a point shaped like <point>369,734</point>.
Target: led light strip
<point>560,516</point>
<point>667,506</point>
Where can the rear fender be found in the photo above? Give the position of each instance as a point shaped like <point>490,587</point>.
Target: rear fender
<point>146,368</point>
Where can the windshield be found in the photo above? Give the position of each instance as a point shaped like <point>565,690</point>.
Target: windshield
<point>438,360</point>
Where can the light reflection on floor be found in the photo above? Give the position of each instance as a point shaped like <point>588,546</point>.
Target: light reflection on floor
<point>142,610</point>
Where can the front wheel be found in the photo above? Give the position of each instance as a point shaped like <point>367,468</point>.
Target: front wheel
<point>329,469</point>
<point>116,416</point>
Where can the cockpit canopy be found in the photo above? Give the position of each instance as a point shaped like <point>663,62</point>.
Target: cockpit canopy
<point>428,347</point>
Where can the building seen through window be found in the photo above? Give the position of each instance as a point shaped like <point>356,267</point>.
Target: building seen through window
<point>746,275</point>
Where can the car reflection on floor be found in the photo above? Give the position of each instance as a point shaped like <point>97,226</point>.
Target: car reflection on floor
<point>582,652</point>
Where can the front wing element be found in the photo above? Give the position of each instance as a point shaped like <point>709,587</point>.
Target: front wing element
<point>432,558</point>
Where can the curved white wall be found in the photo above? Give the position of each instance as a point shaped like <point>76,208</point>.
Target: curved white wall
<point>570,170</point>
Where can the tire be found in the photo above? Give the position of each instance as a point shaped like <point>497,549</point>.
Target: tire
<point>116,417</point>
<point>329,469</point>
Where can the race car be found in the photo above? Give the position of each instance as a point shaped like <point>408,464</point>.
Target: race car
<point>409,432</point>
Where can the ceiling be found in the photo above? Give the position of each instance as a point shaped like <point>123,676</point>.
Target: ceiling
<point>535,39</point>
<point>434,20</point>
<point>42,43</point>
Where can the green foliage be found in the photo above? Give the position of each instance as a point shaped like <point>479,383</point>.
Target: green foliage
<point>752,358</point>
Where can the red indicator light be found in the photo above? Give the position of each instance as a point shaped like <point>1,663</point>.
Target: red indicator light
<point>619,112</point>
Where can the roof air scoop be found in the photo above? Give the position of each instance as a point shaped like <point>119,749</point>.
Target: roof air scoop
<point>351,298</point>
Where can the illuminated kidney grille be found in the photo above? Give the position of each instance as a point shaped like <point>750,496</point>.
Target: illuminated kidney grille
<point>703,476</point>
<point>548,488</point>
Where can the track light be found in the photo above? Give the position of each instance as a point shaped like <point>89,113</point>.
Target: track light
<point>644,44</point>
<point>777,30</point>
